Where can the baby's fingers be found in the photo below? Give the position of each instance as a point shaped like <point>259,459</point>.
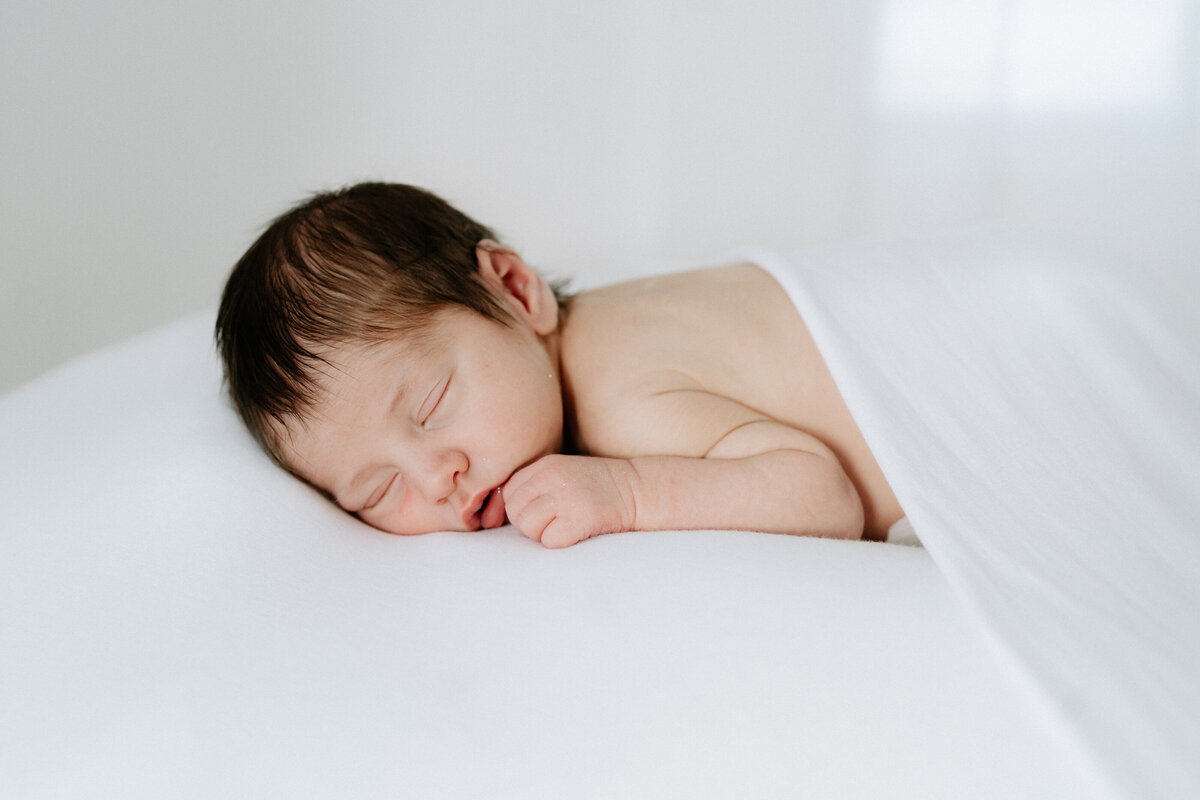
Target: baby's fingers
<point>550,500</point>
<point>527,477</point>
<point>561,532</point>
<point>525,485</point>
<point>529,513</point>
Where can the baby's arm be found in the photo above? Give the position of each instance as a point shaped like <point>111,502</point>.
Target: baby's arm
<point>750,473</point>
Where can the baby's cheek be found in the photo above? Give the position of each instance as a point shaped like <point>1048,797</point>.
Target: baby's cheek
<point>403,519</point>
<point>485,420</point>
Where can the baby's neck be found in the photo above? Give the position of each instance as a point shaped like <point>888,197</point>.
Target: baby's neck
<point>570,442</point>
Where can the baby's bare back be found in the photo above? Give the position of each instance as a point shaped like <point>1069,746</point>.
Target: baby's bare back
<point>730,332</point>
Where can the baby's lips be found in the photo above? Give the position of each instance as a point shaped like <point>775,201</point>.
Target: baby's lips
<point>493,510</point>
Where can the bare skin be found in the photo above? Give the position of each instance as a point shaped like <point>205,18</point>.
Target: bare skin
<point>716,364</point>
<point>693,400</point>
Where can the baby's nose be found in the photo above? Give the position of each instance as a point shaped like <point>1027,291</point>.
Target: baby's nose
<point>441,476</point>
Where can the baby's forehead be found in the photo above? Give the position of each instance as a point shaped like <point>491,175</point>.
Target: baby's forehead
<point>349,379</point>
<point>350,366</point>
<point>350,374</point>
<point>354,383</point>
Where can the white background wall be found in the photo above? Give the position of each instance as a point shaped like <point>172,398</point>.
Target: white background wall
<point>143,144</point>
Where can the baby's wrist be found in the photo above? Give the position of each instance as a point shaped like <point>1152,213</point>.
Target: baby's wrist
<point>627,482</point>
<point>651,488</point>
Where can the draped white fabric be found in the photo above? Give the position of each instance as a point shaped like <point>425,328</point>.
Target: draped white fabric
<point>1035,402</point>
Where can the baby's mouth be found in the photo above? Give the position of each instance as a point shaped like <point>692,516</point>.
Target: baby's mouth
<point>491,513</point>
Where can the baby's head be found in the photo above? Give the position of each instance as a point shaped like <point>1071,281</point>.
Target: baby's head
<point>383,347</point>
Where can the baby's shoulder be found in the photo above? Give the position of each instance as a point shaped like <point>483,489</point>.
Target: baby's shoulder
<point>611,334</point>
<point>650,311</point>
<point>626,346</point>
<point>608,361</point>
<point>665,317</point>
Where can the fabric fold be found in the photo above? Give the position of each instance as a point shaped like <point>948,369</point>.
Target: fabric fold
<point>1038,415</point>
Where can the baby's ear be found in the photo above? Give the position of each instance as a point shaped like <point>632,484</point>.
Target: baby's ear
<point>517,286</point>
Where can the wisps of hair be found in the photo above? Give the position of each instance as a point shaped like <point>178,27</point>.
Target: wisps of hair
<point>356,265</point>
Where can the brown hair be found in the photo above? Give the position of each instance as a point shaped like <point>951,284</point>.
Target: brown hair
<point>358,265</point>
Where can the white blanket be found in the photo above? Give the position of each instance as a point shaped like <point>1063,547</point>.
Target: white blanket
<point>1035,404</point>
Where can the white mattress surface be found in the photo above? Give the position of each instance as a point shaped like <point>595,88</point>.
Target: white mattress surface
<point>180,619</point>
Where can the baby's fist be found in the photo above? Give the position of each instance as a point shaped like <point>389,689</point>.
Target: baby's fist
<point>560,500</point>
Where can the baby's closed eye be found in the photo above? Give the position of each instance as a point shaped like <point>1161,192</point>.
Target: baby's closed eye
<point>433,405</point>
<point>380,492</point>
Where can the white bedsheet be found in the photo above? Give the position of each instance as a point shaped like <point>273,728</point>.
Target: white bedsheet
<point>1035,403</point>
<point>180,619</point>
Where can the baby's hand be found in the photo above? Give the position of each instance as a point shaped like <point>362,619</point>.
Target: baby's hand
<point>560,500</point>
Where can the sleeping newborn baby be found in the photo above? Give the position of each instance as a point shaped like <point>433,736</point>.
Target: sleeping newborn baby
<point>386,349</point>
